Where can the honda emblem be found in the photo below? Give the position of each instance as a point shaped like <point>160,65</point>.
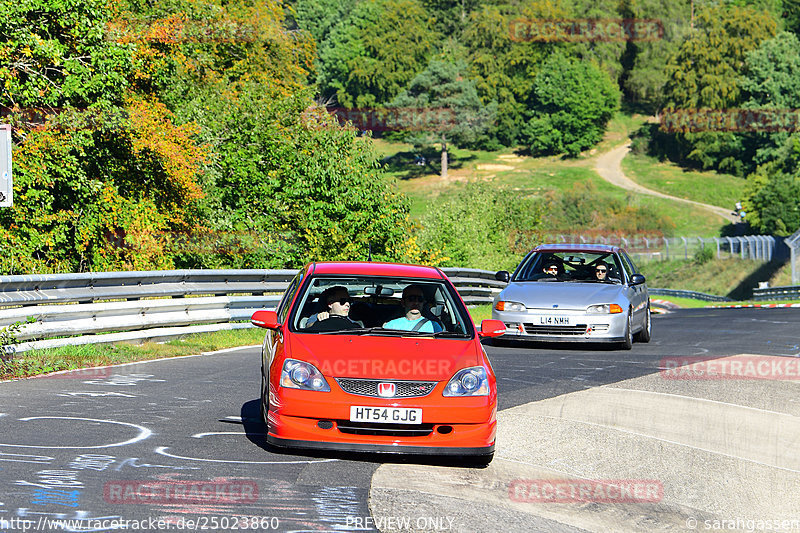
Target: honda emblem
<point>385,390</point>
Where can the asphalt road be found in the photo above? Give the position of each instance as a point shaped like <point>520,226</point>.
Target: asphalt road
<point>78,446</point>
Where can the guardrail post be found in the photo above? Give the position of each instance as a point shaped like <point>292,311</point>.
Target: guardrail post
<point>666,244</point>
<point>685,248</point>
<point>716,240</point>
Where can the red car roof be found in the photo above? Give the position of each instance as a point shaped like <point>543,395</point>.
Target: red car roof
<point>375,269</point>
<point>600,248</point>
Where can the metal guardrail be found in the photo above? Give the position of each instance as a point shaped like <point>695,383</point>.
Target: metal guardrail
<point>689,294</point>
<point>788,292</point>
<point>106,307</point>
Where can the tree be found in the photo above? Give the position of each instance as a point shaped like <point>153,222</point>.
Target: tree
<point>771,81</point>
<point>704,73</point>
<point>504,61</point>
<point>572,102</point>
<point>373,54</point>
<point>645,75</point>
<point>447,108</point>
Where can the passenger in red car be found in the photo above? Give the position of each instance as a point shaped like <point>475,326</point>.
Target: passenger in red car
<point>336,317</point>
<point>413,301</point>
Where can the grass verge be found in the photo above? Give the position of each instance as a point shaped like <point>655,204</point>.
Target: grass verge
<point>36,362</point>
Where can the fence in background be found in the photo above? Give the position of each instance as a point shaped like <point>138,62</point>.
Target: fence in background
<point>642,248</point>
<point>106,307</point>
<point>793,242</point>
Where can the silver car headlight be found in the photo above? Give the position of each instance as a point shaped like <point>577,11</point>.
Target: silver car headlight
<point>515,307</point>
<point>472,381</point>
<point>604,309</point>
<point>301,375</point>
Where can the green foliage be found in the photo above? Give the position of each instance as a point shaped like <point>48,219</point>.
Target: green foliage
<point>772,202</point>
<point>504,65</point>
<point>645,76</point>
<point>371,55</point>
<point>573,102</point>
<point>54,53</point>
<point>478,225</point>
<point>583,209</point>
<point>703,256</point>
<point>704,73</point>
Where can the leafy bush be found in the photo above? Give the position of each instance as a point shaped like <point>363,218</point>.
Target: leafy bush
<point>478,225</point>
<point>703,256</point>
<point>582,207</point>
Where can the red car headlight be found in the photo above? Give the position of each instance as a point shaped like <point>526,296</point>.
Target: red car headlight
<point>301,375</point>
<point>471,381</point>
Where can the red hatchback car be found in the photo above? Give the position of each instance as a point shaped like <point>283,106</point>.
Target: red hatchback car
<point>377,357</point>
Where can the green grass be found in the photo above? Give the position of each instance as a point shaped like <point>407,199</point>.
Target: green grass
<point>537,176</point>
<point>35,362</point>
<point>722,190</point>
<point>723,277</point>
<point>480,312</point>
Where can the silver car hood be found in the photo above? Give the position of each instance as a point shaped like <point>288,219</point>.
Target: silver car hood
<point>567,295</point>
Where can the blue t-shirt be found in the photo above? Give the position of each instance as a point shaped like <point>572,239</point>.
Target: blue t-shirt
<point>403,323</point>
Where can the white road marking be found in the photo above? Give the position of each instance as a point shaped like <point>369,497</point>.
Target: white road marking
<point>162,451</point>
<point>143,433</point>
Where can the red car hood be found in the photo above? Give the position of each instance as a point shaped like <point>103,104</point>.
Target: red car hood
<point>375,357</point>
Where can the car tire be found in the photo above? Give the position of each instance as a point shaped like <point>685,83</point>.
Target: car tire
<point>644,335</point>
<point>627,344</point>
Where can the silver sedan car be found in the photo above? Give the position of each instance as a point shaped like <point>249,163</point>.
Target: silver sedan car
<point>575,292</point>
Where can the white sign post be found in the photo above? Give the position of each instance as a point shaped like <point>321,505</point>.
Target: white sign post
<point>6,183</point>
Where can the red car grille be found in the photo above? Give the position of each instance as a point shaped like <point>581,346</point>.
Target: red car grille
<point>369,387</point>
<point>391,430</point>
<point>532,329</point>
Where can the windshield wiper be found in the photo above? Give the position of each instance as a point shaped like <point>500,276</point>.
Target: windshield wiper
<point>365,331</point>
<point>454,334</point>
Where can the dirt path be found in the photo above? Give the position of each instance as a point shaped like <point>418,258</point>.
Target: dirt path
<point>608,165</point>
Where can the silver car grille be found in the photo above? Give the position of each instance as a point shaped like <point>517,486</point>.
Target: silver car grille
<point>532,329</point>
<point>369,387</point>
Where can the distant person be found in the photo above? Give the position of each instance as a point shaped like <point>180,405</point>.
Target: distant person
<point>413,301</point>
<point>551,269</point>
<point>738,208</point>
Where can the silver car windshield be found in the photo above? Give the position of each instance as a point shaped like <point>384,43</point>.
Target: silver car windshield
<point>365,305</point>
<point>571,266</point>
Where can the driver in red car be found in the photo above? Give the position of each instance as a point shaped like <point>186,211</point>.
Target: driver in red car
<point>336,317</point>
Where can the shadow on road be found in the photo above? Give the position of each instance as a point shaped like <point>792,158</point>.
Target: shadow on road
<point>255,431</point>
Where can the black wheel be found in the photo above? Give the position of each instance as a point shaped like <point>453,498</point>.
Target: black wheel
<point>264,399</point>
<point>644,335</point>
<point>627,344</point>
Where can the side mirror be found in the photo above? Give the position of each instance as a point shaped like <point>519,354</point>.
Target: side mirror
<point>492,328</point>
<point>265,319</point>
<point>637,279</point>
<point>503,276</point>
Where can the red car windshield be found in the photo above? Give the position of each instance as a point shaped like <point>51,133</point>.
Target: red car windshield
<point>380,305</point>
